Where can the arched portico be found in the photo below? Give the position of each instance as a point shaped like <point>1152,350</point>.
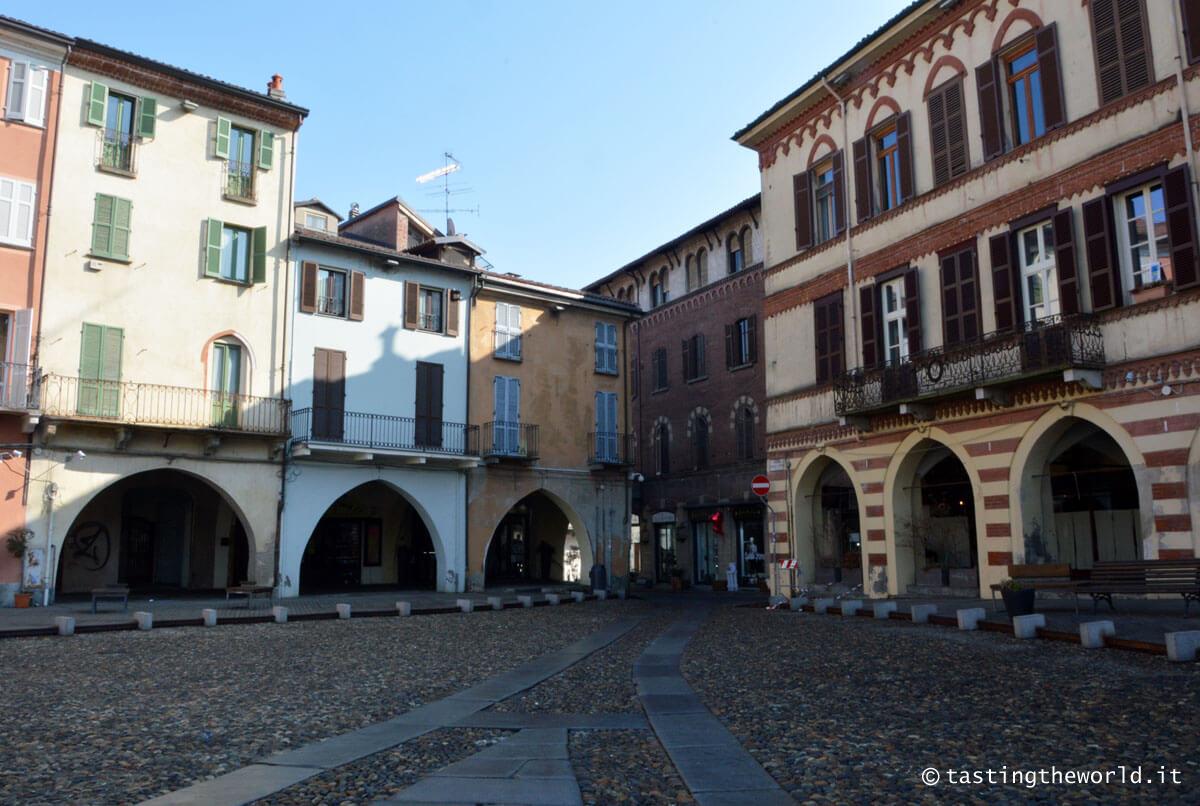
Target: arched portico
<point>827,511</point>
<point>540,538</point>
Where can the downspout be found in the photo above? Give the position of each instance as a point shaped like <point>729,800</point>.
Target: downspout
<point>1180,49</point>
<point>285,368</point>
<point>852,341</point>
<point>476,287</point>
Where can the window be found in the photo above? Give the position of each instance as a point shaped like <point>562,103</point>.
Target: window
<point>429,312</point>
<point>660,369</point>
<point>737,257</point>
<point>883,167</point>
<point>239,169</point>
<point>606,348</point>
<point>887,166</point>
<point>1123,61</point>
<point>895,329</point>
<point>947,132</point>
<point>1142,234</point>
<point>508,331</point>
<point>1039,279</point>
<point>235,254</point>
<point>699,441</point>
<point>658,288</point>
<point>827,313</point>
<point>694,368</point>
<point>744,432</point>
<point>17,208</point>
<point>1020,93</point>
<point>117,151</point>
<point>662,449</point>
<point>111,227</point>
<point>825,221</point>
<point>331,292</point>
<point>741,342</point>
<point>820,206</point>
<point>314,221</point>
<point>26,97</point>
<point>226,382</point>
<point>1025,95</point>
<point>240,255</point>
<point>700,279</point>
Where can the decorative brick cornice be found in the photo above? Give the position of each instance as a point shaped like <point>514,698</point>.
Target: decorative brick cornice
<point>701,297</point>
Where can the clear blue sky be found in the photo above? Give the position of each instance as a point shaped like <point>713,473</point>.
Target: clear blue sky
<point>588,133</point>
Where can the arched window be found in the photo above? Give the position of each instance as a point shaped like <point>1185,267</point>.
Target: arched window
<point>747,246</point>
<point>701,268</point>
<point>744,432</point>
<point>737,255</point>
<point>699,441</point>
<point>662,449</point>
<point>656,294</point>
<point>689,272</point>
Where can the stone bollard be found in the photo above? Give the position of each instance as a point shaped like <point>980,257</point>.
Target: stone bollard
<point>851,607</point>
<point>822,605</point>
<point>922,612</point>
<point>466,605</point>
<point>280,614</point>
<point>404,608</point>
<point>969,617</point>
<point>1092,633</point>
<point>1027,626</point>
<point>496,602</point>
<point>552,598</point>
<point>525,601</point>
<point>145,620</point>
<point>884,610</point>
<point>798,602</point>
<point>209,617</point>
<point>621,593</point>
<point>601,595</point>
<point>1182,646</point>
<point>66,624</point>
<point>577,596</point>
<point>343,610</point>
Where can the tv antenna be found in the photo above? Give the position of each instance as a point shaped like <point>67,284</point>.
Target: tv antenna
<point>450,165</point>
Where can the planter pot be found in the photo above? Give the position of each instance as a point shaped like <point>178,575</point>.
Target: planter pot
<point>22,599</point>
<point>676,583</point>
<point>1018,603</point>
<point>720,585</point>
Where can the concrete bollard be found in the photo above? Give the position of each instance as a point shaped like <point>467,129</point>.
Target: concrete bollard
<point>496,602</point>
<point>404,608</point>
<point>552,598</point>
<point>209,617</point>
<point>526,601</point>
<point>884,610</point>
<point>577,596</point>
<point>851,606</point>
<point>922,612</point>
<point>822,605</point>
<point>66,625</point>
<point>280,614</point>
<point>798,602</point>
<point>1027,626</point>
<point>1182,646</point>
<point>969,617</point>
<point>145,621</point>
<point>1092,633</point>
<point>601,595</point>
<point>343,610</point>
<point>466,605</point>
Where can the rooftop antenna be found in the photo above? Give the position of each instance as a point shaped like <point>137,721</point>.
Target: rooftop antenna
<point>451,165</point>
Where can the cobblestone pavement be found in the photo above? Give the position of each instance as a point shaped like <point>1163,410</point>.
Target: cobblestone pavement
<point>848,710</point>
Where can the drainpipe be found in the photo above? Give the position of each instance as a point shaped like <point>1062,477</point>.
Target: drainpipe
<point>285,367</point>
<point>852,342</point>
<point>1180,49</point>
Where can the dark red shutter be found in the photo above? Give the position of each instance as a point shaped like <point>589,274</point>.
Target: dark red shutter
<point>803,203</point>
<point>1065,262</point>
<point>1191,28</point>
<point>1123,61</point>
<point>1007,304</point>
<point>905,149</point>
<point>938,150</point>
<point>308,287</point>
<point>827,317</point>
<point>951,310</point>
<point>1180,227</point>
<point>837,339</point>
<point>869,324</point>
<point>990,128</point>
<point>411,304</point>
<point>947,132</point>
<point>960,297</point>
<point>452,305</point>
<point>821,340</point>
<point>862,181</point>
<point>1053,102</point>
<point>912,309</point>
<point>1103,278</point>
<point>839,192</point>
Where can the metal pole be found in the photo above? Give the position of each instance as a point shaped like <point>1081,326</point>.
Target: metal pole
<point>774,565</point>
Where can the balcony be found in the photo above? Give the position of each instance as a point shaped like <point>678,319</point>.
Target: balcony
<point>239,182</point>
<point>150,404</point>
<point>609,449</point>
<point>509,440</point>
<point>362,435</point>
<point>18,392</point>
<point>117,152</point>
<point>1071,346</point>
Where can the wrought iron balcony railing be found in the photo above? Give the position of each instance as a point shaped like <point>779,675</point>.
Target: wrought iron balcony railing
<point>18,387</point>
<point>118,152</point>
<point>511,440</point>
<point>1038,348</point>
<point>239,181</point>
<point>154,404</point>
<point>384,431</point>
<point>610,448</point>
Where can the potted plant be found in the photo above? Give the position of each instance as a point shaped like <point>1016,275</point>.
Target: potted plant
<point>1018,599</point>
<point>676,578</point>
<point>17,544</point>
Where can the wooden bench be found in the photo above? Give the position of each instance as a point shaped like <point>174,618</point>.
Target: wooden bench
<point>249,590</point>
<point>1043,577</point>
<point>1143,577</point>
<point>111,593</point>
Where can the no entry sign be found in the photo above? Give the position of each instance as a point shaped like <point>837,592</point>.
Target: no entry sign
<point>760,485</point>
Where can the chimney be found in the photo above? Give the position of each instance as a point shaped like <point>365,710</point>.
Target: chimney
<point>354,209</point>
<point>275,88</point>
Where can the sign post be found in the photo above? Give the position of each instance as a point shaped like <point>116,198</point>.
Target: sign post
<point>760,485</point>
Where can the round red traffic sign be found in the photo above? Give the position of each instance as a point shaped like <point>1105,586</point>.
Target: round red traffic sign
<point>760,485</point>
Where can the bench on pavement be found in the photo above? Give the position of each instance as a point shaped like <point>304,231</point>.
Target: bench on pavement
<point>1042,577</point>
<point>249,590</point>
<point>111,593</point>
<point>1143,577</point>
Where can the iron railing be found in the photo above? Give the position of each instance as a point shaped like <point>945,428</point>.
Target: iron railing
<point>384,431</point>
<point>332,306</point>
<point>18,386</point>
<point>239,180</point>
<point>610,448</point>
<point>430,321</point>
<point>513,440</point>
<point>74,398</point>
<point>1038,348</point>
<point>118,151</point>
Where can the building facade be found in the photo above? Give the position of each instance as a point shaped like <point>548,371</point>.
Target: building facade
<point>697,399</point>
<point>981,276</point>
<point>549,392</point>
<point>161,346</point>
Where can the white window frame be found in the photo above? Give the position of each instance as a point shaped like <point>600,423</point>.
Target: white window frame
<point>15,204</point>
<point>35,85</point>
<point>606,348</point>
<point>1134,280</point>
<point>824,216</point>
<point>898,315</point>
<point>508,331</point>
<point>322,223</point>
<point>229,236</point>
<point>1045,267</point>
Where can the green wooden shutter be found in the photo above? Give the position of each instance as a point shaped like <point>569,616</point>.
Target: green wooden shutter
<point>97,104</point>
<point>222,147</point>
<point>100,370</point>
<point>147,117</point>
<point>212,261</point>
<point>102,216</point>
<point>110,371</point>
<point>89,369</point>
<point>266,150</point>
<point>259,255</point>
<point>121,228</point>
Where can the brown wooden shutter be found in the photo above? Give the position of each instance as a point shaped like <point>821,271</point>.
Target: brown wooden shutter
<point>308,287</point>
<point>938,144</point>
<point>951,310</point>
<point>862,181</point>
<point>752,326</point>
<point>827,318</point>
<point>947,132</point>
<point>837,339</point>
<point>1053,102</point>
<point>357,289</point>
<point>687,359</point>
<point>1123,62</point>
<point>801,183</point>
<point>1191,28</point>
<point>700,356</point>
<point>1065,262</point>
<point>821,340</point>
<point>411,304</point>
<point>960,297</point>
<point>452,315</point>
<point>839,192</point>
<point>1181,229</point>
<point>729,357</point>
<point>1103,278</point>
<point>990,112</point>
<point>905,149</point>
<point>912,309</point>
<point>1007,304</point>
<point>868,321</point>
